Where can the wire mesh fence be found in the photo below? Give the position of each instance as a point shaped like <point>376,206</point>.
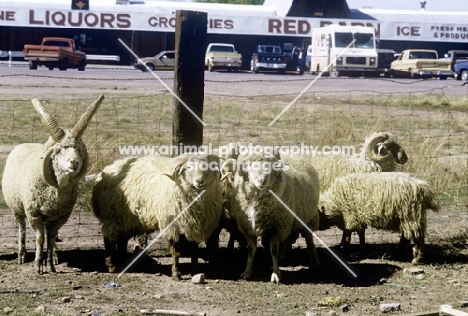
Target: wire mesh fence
<point>431,125</point>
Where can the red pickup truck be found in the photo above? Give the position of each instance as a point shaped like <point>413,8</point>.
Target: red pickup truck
<point>55,52</point>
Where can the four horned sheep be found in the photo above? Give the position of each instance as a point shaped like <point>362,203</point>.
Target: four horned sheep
<point>393,201</point>
<point>179,196</point>
<point>380,152</point>
<point>261,186</point>
<point>40,182</point>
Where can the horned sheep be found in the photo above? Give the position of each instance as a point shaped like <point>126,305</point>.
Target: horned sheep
<point>261,186</point>
<point>40,182</point>
<point>393,201</point>
<point>136,196</point>
<point>380,152</point>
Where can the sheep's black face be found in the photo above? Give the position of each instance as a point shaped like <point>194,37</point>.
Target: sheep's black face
<point>398,153</point>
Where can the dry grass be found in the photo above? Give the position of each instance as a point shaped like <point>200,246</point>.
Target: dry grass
<point>432,129</point>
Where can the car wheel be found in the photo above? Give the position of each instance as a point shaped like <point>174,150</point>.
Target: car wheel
<point>150,66</point>
<point>210,67</point>
<point>32,65</point>
<point>443,77</point>
<point>464,75</point>
<point>50,68</point>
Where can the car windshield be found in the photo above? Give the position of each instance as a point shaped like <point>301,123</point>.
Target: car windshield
<point>223,49</point>
<point>363,40</point>
<point>56,43</point>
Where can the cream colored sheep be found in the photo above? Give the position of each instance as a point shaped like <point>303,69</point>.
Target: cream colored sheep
<point>40,182</point>
<point>393,201</point>
<point>259,213</point>
<point>380,152</point>
<point>136,196</point>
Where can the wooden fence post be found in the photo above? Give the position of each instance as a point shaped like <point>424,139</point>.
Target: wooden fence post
<point>189,77</point>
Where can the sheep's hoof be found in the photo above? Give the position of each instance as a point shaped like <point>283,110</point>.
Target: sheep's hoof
<point>38,266</point>
<point>247,275</point>
<point>415,261</point>
<point>21,260</point>
<point>176,276</point>
<point>110,265</point>
<point>275,278</point>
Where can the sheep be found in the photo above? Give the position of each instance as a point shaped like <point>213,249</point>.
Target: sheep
<point>259,213</point>
<point>393,201</point>
<point>380,152</point>
<point>136,196</point>
<point>227,221</point>
<point>40,182</point>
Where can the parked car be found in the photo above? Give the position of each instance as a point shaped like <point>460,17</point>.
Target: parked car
<point>162,61</point>
<point>55,52</point>
<point>459,63</point>
<point>268,57</point>
<point>222,56</point>
<point>421,63</point>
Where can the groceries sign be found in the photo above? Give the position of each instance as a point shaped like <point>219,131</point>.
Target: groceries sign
<point>119,19</point>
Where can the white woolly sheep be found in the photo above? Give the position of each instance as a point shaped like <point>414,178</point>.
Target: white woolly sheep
<point>227,221</point>
<point>136,196</point>
<point>259,213</point>
<point>40,182</point>
<point>393,201</point>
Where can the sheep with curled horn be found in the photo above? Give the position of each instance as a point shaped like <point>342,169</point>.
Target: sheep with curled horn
<point>380,152</point>
<point>40,182</point>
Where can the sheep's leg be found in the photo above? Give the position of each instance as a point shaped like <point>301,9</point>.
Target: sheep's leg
<point>311,251</point>
<point>346,241</point>
<point>402,251</point>
<point>52,259</point>
<point>175,261</point>
<point>122,244</point>
<point>212,245</point>
<point>362,241</point>
<point>109,248</point>
<point>38,261</point>
<point>275,250</point>
<point>251,250</point>
<point>418,250</point>
<point>193,246</point>
<point>21,238</point>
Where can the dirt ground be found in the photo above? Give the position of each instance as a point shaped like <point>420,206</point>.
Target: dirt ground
<point>80,286</point>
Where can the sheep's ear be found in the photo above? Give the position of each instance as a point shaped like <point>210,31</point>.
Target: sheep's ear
<point>84,166</point>
<point>48,171</point>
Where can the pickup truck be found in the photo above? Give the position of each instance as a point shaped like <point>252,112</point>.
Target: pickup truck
<point>384,60</point>
<point>421,63</point>
<point>268,57</point>
<point>55,52</point>
<point>222,56</point>
<point>459,63</point>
